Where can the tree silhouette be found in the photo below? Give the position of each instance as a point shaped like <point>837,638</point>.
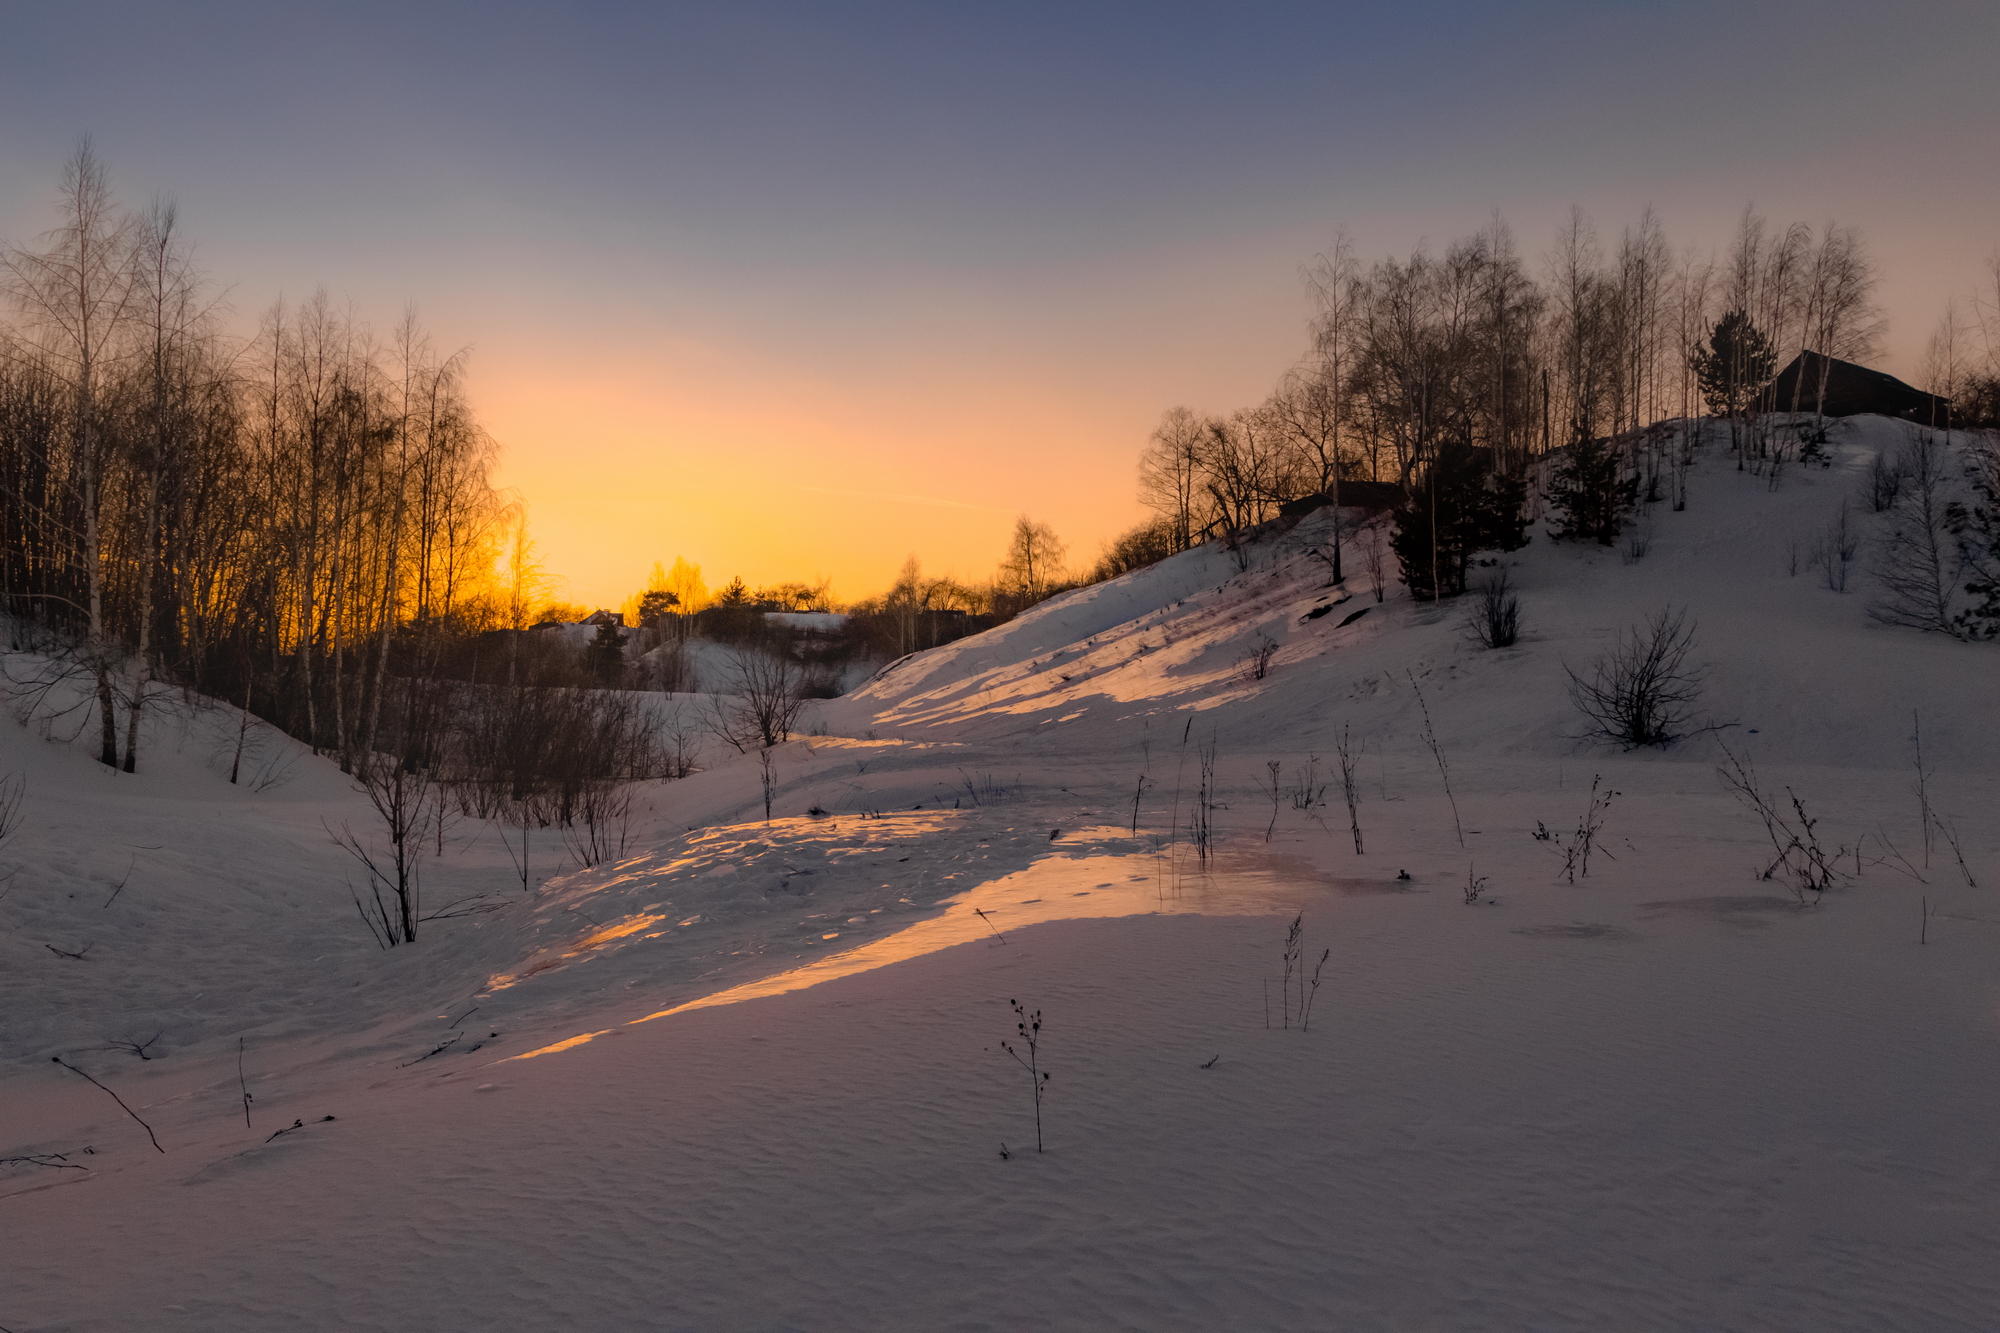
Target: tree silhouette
<point>1457,506</point>
<point>1737,361</point>
<point>1593,494</point>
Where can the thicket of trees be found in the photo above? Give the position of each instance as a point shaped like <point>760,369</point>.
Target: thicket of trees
<point>263,521</point>
<point>1962,359</point>
<point>1417,365</point>
<point>301,522</point>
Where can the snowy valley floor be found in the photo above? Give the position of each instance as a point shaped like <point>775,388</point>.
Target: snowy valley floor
<point>749,1077</point>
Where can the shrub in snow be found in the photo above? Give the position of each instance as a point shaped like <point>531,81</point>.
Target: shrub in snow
<point>1576,852</point>
<point>1806,865</point>
<point>1643,690</point>
<point>1919,566</point>
<point>1977,527</point>
<point>1257,663</point>
<point>1833,550</point>
<point>762,695</point>
<point>1495,618</point>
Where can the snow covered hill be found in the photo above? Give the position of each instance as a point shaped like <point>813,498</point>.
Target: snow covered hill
<point>748,1074</point>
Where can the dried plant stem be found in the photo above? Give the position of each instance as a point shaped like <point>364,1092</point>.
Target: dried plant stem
<point>1350,785</point>
<point>242,1083</point>
<point>1294,938</point>
<point>1437,753</point>
<point>1305,1024</point>
<point>113,1096</point>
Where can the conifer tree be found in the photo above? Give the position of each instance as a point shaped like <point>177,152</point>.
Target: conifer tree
<point>1593,494</point>
<point>605,656</point>
<point>1738,359</point>
<point>1456,507</point>
<point>655,606</point>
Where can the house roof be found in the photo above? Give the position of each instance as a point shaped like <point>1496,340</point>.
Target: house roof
<point>1849,390</point>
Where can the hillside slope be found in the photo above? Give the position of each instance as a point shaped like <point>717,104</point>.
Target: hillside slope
<point>748,1074</point>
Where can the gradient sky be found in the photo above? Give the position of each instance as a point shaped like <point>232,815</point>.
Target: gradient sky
<point>799,290</point>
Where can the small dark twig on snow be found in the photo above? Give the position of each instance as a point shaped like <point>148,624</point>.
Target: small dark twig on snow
<point>133,1044</point>
<point>439,1049</point>
<point>242,1083</point>
<point>114,1097</point>
<point>298,1124</point>
<point>123,879</point>
<point>56,1160</point>
<point>987,918</point>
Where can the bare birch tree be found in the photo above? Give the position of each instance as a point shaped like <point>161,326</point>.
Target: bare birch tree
<point>76,294</point>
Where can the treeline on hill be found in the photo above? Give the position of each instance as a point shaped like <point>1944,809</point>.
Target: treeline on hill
<point>918,611</point>
<point>1457,388</point>
<point>301,523</point>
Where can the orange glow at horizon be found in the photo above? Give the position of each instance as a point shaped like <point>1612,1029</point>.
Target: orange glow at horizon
<point>682,452</point>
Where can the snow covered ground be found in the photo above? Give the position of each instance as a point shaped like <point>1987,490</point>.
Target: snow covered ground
<point>749,1076</point>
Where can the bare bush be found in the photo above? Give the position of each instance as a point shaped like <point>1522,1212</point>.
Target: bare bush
<point>536,756</point>
<point>666,668</point>
<point>1308,789</point>
<point>600,824</point>
<point>680,739</point>
<point>759,705</point>
<point>400,793</point>
<point>1577,851</point>
<point>1833,550</point>
<point>1257,663</point>
<point>1884,485</point>
<point>1201,819</point>
<point>1643,690</point>
<point>1475,885</point>
<point>400,781</point>
<point>1919,564</point>
<point>1807,867</point>
<point>547,754</point>
<point>1494,620</point>
<point>1375,558</point>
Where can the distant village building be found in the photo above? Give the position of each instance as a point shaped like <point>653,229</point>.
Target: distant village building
<point>604,618</point>
<point>1849,391</point>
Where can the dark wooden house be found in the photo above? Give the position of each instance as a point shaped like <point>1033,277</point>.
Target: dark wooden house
<point>1836,388</point>
<point>1374,496</point>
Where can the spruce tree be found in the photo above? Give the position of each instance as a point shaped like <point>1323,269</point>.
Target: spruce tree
<point>1457,507</point>
<point>1595,499</point>
<point>1737,361</point>
<point>604,657</point>
<point>656,606</point>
